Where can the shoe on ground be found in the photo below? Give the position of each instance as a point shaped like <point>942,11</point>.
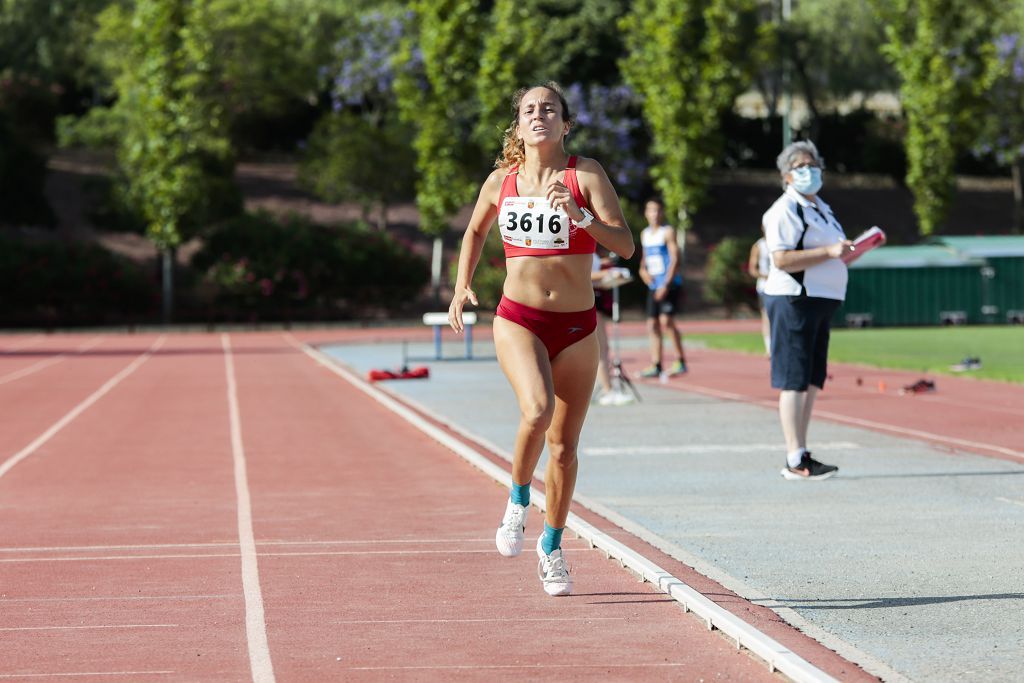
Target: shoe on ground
<point>615,398</point>
<point>921,386</point>
<point>509,537</point>
<point>553,572</point>
<point>809,468</point>
<point>650,371</point>
<point>967,364</point>
<point>678,368</point>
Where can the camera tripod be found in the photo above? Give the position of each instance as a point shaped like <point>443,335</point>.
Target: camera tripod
<point>619,379</point>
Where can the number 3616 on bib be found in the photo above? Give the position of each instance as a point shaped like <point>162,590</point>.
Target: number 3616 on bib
<point>530,222</point>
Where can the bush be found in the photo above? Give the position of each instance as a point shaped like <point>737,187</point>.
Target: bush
<point>51,283</point>
<point>259,267</point>
<point>727,282</point>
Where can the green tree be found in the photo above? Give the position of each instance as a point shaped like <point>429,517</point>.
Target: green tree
<point>1002,131</point>
<point>688,60</point>
<point>945,57</point>
<point>434,87</point>
<point>349,157</point>
<point>47,40</point>
<point>515,52</point>
<point>437,99</point>
<point>174,154</point>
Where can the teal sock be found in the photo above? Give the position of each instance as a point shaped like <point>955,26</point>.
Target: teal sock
<point>521,493</point>
<point>552,539</point>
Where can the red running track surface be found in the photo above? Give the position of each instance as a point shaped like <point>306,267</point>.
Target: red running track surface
<point>125,503</point>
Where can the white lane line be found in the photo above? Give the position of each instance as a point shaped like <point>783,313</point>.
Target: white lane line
<point>90,673</point>
<point>47,362</point>
<point>80,408</point>
<point>1011,501</point>
<point>699,449</point>
<point>515,619</point>
<point>119,598</point>
<point>255,622</point>
<point>552,665</point>
<point>870,424</point>
<point>771,651</point>
<point>212,556</point>
<point>84,628</point>
<point>234,544</point>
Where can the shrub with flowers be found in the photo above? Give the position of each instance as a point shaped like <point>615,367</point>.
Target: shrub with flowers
<point>260,267</point>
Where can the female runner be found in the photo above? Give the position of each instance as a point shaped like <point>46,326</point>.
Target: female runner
<point>552,209</point>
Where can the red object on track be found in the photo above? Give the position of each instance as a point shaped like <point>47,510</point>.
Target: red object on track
<point>422,372</point>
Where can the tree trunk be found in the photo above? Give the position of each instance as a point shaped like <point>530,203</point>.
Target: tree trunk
<point>808,89</point>
<point>382,219</point>
<point>1017,167</point>
<point>167,261</point>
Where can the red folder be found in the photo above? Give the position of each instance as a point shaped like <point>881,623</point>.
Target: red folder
<point>868,240</point>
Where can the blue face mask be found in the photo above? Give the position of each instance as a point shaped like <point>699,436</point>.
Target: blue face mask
<point>806,180</point>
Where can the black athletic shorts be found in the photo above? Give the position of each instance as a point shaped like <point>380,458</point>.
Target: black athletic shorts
<point>800,330</point>
<point>667,306</point>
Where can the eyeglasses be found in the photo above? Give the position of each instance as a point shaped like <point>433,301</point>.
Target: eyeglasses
<point>808,164</point>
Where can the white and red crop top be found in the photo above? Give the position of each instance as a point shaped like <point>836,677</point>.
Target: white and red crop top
<point>530,227</point>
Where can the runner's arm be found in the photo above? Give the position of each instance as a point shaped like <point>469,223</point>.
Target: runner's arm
<point>609,227</point>
<point>484,213</point>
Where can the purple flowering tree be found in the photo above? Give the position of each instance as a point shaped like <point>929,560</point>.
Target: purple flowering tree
<point>609,128</point>
<point>360,151</point>
<point>362,72</point>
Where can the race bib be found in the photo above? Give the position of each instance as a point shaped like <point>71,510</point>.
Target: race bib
<point>655,264</point>
<point>531,223</point>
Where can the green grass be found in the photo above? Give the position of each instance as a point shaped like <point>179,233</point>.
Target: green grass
<point>924,349</point>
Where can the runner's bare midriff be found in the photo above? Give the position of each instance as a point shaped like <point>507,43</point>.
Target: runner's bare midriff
<point>551,283</point>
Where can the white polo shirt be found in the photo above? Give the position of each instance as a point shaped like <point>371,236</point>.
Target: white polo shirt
<point>783,230</point>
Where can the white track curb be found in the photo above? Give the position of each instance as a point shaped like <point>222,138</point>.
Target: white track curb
<point>778,657</point>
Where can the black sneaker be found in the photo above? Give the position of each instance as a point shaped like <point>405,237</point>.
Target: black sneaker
<point>809,468</point>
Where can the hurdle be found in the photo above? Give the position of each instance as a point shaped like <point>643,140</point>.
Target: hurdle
<point>440,320</point>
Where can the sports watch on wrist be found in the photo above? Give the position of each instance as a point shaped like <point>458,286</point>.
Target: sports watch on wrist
<point>587,219</point>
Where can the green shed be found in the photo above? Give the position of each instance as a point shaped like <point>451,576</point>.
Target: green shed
<point>919,285</point>
<point>1003,285</point>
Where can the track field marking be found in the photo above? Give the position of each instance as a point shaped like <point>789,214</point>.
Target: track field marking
<point>516,619</point>
<point>234,544</point>
<point>1011,501</point>
<point>90,673</point>
<point>84,628</point>
<point>745,635</point>
<point>116,598</point>
<point>215,556</point>
<point>460,667</point>
<point>707,448</point>
<point>80,408</point>
<point>47,362</point>
<point>255,623</point>
<point>870,424</point>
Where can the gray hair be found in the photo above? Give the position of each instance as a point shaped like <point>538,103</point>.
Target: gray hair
<point>785,158</point>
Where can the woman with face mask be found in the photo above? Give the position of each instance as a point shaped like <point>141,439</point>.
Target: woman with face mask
<point>806,284</point>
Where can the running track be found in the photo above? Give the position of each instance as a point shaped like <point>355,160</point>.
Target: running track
<point>220,507</point>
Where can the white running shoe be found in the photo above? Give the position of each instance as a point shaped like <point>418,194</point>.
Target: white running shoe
<point>552,571</point>
<point>509,537</point>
